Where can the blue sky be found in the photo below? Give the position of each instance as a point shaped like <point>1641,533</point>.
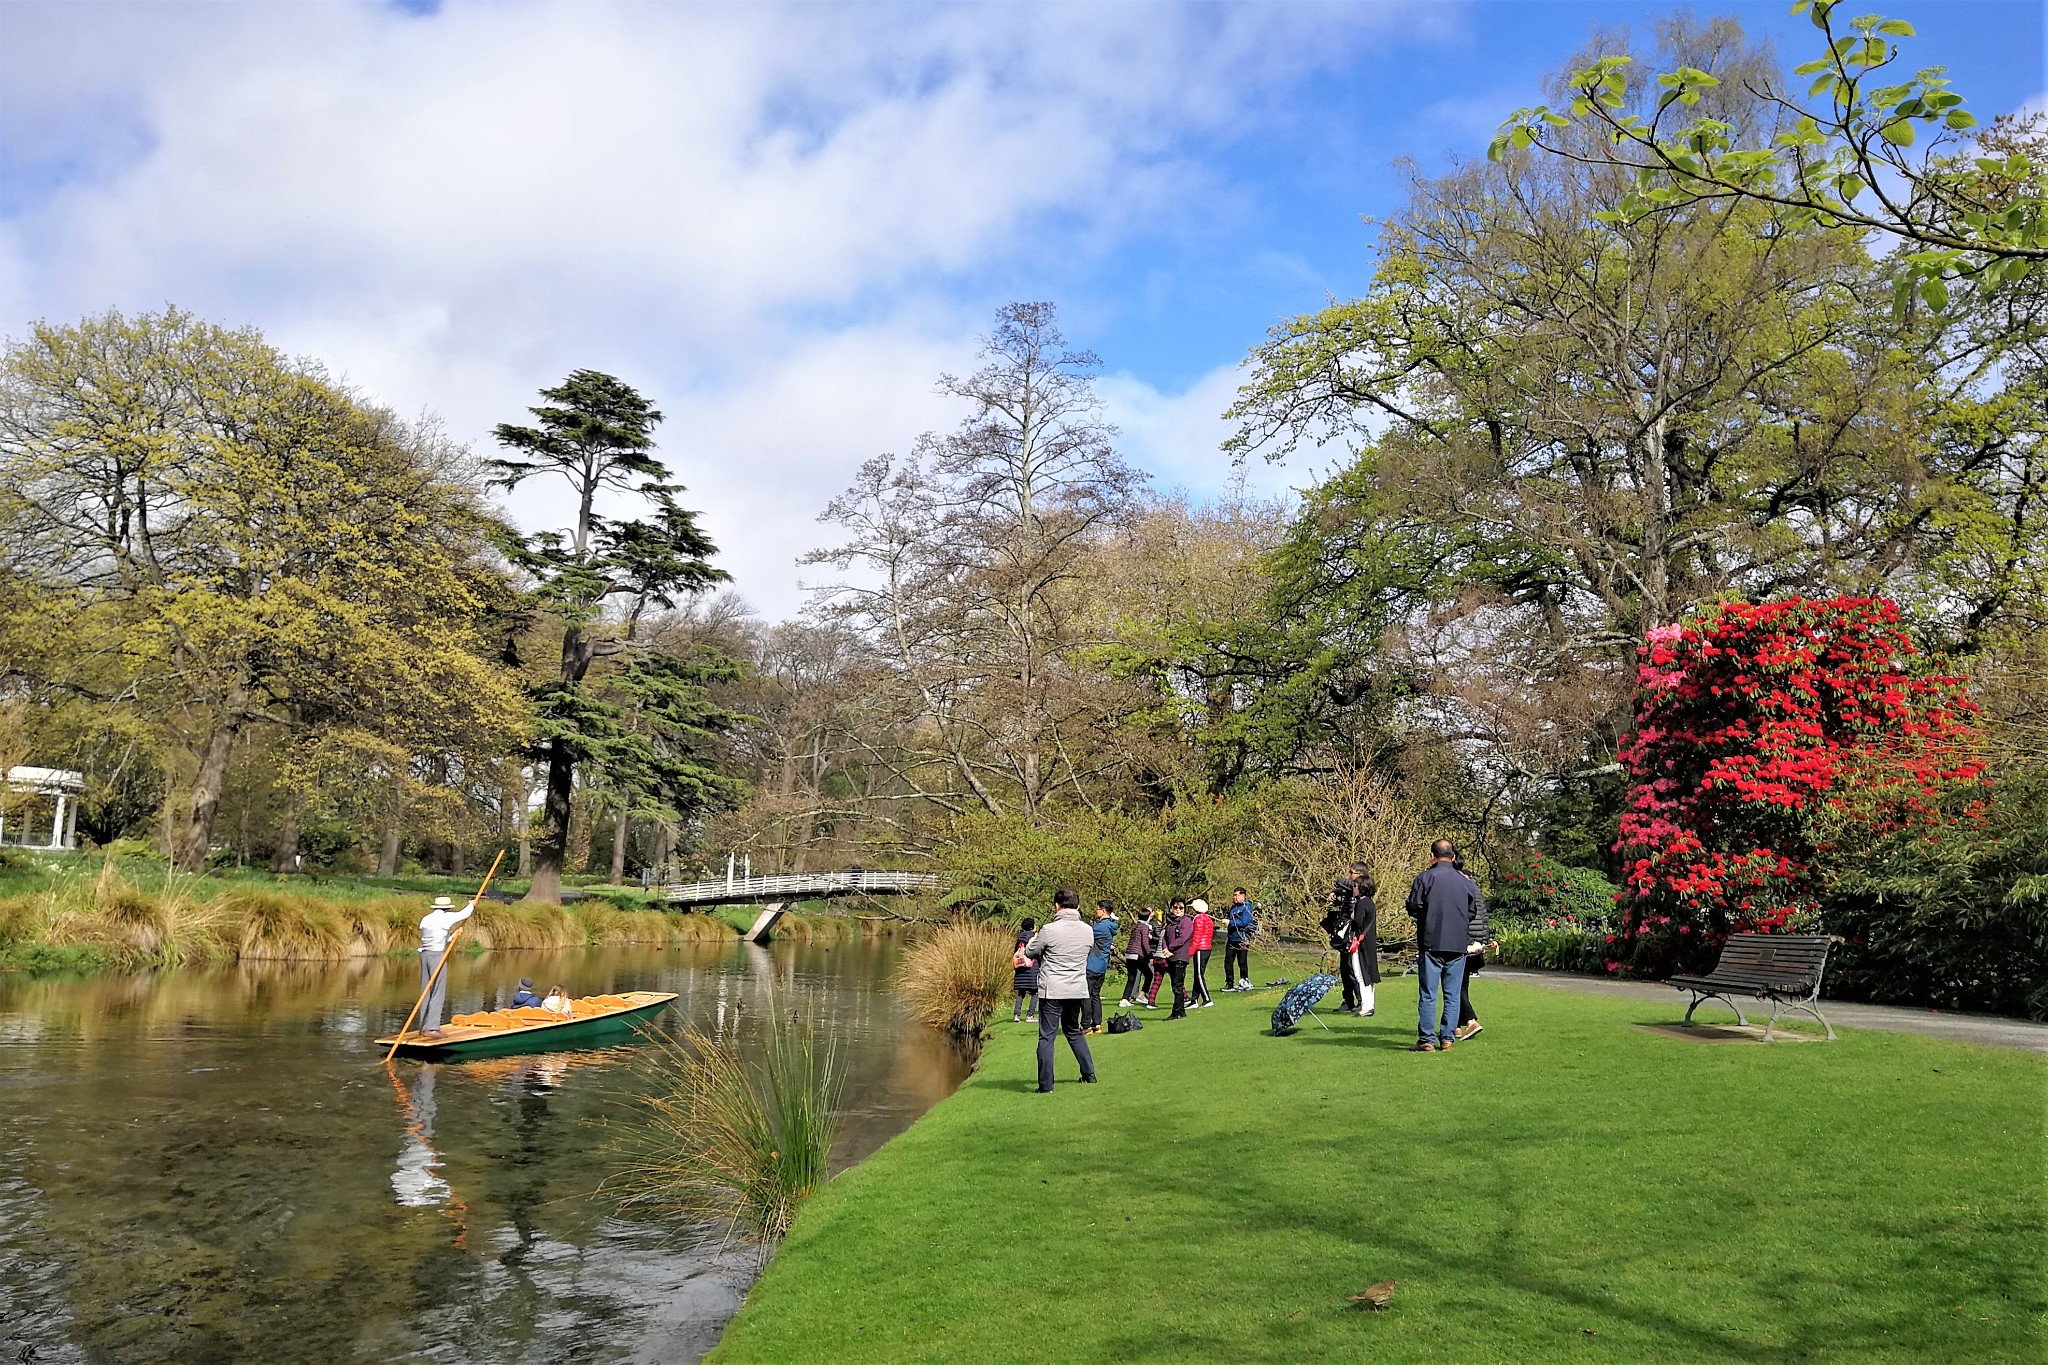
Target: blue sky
<point>780,221</point>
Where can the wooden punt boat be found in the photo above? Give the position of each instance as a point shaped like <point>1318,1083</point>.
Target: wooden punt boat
<point>496,1032</point>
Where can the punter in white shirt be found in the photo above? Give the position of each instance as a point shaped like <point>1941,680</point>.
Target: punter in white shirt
<point>435,930</point>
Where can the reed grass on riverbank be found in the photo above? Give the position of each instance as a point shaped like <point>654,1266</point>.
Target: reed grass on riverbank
<point>720,1140</point>
<point>1565,1187</point>
<point>124,917</point>
<point>954,976</point>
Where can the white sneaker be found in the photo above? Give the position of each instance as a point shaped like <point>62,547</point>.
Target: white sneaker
<point>1151,1007</point>
<point>1123,1004</point>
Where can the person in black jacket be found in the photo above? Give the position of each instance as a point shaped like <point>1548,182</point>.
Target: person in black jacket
<point>1138,960</point>
<point>1450,920</point>
<point>1468,1021</point>
<point>1361,955</point>
<point>1336,927</point>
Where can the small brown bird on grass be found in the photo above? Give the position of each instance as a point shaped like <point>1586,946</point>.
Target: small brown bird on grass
<point>1375,1296</point>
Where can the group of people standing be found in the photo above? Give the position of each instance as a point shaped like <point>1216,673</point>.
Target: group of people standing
<point>1060,966</point>
<point>1176,947</point>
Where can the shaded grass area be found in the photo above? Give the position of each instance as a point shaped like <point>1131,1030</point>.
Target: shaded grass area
<point>1564,1187</point>
<point>71,916</point>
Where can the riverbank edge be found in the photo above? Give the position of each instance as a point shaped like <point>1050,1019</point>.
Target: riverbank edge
<point>101,919</point>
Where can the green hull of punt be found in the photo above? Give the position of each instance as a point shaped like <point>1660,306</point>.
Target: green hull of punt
<point>457,1042</point>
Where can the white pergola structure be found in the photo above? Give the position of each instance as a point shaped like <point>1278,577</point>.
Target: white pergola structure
<point>61,783</point>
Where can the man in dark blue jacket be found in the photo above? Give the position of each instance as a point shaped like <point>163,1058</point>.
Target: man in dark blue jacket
<point>1237,942</point>
<point>1450,920</point>
<point>1098,964</point>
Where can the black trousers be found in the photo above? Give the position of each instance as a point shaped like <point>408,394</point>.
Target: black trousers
<point>1178,970</point>
<point>1473,962</point>
<point>1093,1017</point>
<point>1237,964</point>
<point>1056,1017</point>
<point>1137,977</point>
<point>1200,959</point>
<point>1347,977</point>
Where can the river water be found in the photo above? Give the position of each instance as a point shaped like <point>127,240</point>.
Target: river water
<point>215,1166</point>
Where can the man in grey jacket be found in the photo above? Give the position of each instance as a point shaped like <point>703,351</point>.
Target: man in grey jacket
<point>1061,947</point>
<point>1450,920</point>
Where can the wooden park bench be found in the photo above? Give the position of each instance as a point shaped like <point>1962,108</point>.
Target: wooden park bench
<point>1784,969</point>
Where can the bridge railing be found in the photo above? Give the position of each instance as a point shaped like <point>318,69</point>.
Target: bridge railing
<point>801,885</point>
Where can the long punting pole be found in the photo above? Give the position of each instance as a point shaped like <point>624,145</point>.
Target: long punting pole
<point>426,990</point>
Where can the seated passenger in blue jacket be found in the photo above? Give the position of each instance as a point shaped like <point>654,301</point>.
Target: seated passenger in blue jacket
<point>524,996</point>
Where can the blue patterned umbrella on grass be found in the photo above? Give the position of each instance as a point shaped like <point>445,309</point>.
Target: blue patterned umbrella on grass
<point>1299,1000</point>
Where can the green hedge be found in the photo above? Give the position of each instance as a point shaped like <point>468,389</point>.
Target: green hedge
<point>1557,950</point>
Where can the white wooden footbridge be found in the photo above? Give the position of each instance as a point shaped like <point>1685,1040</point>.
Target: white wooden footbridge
<point>777,893</point>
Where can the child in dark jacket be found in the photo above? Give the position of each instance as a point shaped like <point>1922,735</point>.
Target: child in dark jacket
<point>1024,977</point>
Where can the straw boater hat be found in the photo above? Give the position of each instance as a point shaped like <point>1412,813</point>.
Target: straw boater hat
<point>443,903</point>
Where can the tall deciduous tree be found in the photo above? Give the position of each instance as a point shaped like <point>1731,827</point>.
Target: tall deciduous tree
<point>645,726</point>
<point>967,555</point>
<point>235,539</point>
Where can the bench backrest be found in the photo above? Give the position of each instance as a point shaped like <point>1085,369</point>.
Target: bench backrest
<point>1788,958</point>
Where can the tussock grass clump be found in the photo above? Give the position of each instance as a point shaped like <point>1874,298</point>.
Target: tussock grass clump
<point>23,919</point>
<point>725,1139</point>
<point>275,925</point>
<point>698,928</point>
<point>525,924</point>
<point>954,976</point>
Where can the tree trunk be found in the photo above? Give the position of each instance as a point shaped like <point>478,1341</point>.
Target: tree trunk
<point>582,826</point>
<point>285,857</point>
<point>522,792</point>
<point>458,858</point>
<point>622,829</point>
<point>206,789</point>
<point>553,847</point>
<point>664,849</point>
<point>394,816</point>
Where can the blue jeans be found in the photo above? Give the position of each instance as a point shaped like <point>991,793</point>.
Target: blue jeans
<point>1443,985</point>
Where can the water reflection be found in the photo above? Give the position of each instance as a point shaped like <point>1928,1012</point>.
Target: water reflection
<point>204,1167</point>
<point>417,1181</point>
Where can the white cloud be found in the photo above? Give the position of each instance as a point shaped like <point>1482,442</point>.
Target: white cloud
<point>1179,437</point>
<point>771,219</point>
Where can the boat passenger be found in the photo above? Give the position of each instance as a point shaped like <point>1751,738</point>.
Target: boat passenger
<point>559,1002</point>
<point>524,998</point>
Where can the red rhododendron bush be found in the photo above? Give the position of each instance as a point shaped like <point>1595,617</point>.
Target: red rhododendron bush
<point>1765,734</point>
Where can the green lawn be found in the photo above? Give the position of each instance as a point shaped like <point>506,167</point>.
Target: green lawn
<point>1564,1187</point>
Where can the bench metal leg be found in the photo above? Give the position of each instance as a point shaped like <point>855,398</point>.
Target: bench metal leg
<point>1809,1006</point>
<point>1702,997</point>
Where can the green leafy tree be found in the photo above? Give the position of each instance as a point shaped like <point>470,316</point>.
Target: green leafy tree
<point>640,724</point>
<point>1867,147</point>
<point>233,540</point>
<point>1573,423</point>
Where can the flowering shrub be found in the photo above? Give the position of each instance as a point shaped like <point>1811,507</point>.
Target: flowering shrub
<point>1550,894</point>
<point>1756,723</point>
